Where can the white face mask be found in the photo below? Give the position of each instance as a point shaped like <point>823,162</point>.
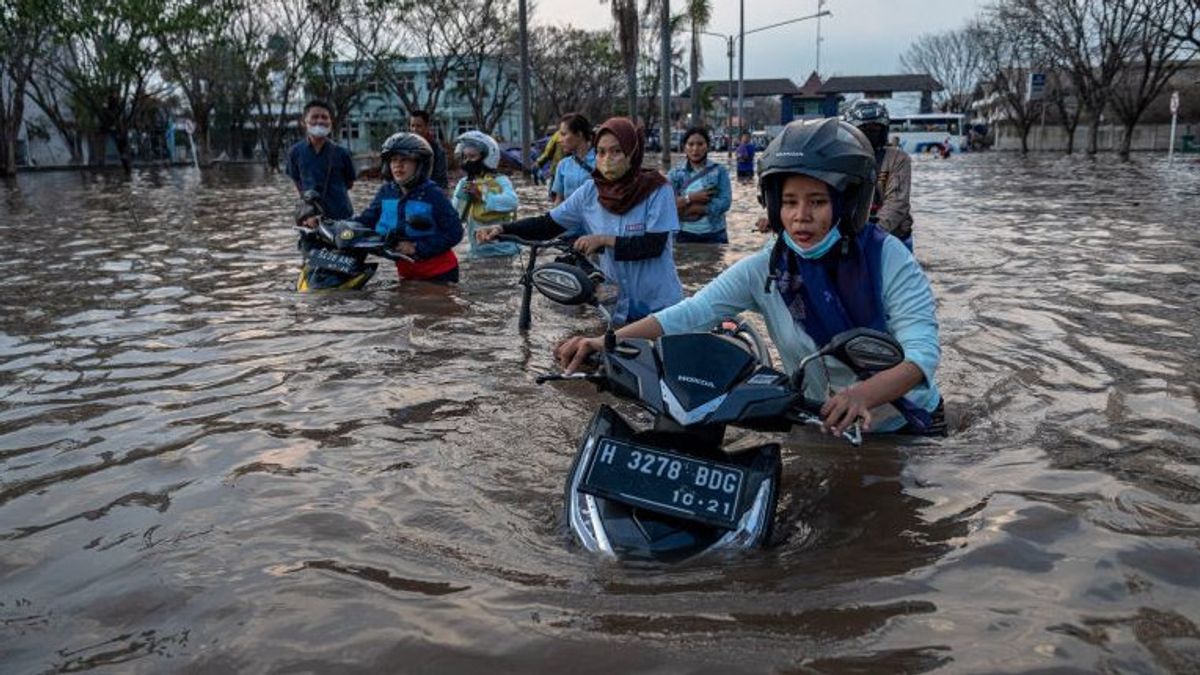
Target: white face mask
<point>318,131</point>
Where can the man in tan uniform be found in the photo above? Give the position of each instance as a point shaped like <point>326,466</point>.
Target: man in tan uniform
<point>890,210</point>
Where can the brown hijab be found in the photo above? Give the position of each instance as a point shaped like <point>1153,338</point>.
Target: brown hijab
<point>622,194</point>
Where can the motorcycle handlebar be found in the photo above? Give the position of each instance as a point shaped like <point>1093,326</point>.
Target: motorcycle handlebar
<point>560,243</point>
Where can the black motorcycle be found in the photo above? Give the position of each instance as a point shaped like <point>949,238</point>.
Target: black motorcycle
<point>566,264</point>
<point>335,251</point>
<point>673,492</point>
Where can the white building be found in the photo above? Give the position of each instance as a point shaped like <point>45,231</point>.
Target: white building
<point>380,112</point>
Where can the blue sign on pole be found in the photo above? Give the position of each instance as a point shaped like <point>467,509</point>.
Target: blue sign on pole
<point>1036,89</point>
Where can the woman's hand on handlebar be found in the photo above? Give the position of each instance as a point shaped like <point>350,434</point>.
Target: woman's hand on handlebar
<point>594,243</point>
<point>485,234</point>
<point>572,352</point>
<point>406,248</point>
<point>845,408</point>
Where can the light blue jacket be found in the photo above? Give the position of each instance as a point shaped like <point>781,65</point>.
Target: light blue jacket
<point>907,302</point>
<point>686,180</point>
<point>569,175</point>
<point>502,199</point>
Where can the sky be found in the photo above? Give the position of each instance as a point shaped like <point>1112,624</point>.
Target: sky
<point>861,37</point>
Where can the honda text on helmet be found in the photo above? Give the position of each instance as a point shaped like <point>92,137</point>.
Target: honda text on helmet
<point>829,150</point>
<point>406,145</point>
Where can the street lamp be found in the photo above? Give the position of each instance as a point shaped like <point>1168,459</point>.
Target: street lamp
<point>729,95</point>
<point>742,51</point>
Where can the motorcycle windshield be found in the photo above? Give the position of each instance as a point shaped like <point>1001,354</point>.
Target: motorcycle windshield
<point>698,368</point>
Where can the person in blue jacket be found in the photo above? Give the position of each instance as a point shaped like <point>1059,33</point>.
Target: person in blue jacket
<point>702,192</point>
<point>626,214</point>
<point>828,271</point>
<point>412,210</point>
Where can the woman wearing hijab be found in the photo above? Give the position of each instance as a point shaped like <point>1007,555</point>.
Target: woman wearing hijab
<point>626,214</point>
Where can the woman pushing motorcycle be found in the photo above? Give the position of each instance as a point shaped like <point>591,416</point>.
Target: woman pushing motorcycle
<point>626,214</point>
<point>828,271</point>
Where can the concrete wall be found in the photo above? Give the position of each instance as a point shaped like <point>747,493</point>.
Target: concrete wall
<point>1054,138</point>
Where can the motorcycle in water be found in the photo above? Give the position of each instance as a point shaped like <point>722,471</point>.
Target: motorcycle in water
<point>335,251</point>
<point>567,262</point>
<point>673,492</point>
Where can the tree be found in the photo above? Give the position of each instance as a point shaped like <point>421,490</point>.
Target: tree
<point>104,62</point>
<point>1066,104</point>
<point>627,27</point>
<point>487,51</point>
<point>1092,38</point>
<point>953,59</point>
<point>194,43</point>
<point>25,29</point>
<point>574,70</point>
<point>699,13</point>
<point>1156,57</point>
<point>1008,54</point>
<point>293,35</point>
<point>651,57</point>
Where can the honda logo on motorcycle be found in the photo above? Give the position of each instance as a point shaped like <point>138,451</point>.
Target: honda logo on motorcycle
<point>695,380</point>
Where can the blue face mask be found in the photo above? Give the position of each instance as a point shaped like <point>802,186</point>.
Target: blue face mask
<point>832,237</point>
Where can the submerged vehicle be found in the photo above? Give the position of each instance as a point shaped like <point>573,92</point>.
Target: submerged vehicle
<point>674,491</point>
<point>335,251</point>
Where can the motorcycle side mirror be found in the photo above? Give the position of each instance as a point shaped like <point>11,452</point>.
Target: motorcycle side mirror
<point>866,349</point>
<point>310,196</point>
<point>564,284</point>
<point>860,348</point>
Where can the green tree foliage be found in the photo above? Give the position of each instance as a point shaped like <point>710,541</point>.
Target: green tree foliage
<point>25,26</point>
<point>574,70</point>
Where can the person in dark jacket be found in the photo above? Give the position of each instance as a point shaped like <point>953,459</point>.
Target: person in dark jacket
<point>317,163</point>
<point>412,210</point>
<point>419,123</point>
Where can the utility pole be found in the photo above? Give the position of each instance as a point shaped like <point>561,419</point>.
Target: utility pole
<point>741,66</point>
<point>665,77</point>
<point>523,20</point>
<point>820,7</point>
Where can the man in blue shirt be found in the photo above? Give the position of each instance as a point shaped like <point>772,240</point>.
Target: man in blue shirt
<point>317,163</point>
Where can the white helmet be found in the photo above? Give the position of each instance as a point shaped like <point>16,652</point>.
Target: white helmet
<point>489,149</point>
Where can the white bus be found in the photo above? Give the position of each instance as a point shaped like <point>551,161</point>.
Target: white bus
<point>928,132</point>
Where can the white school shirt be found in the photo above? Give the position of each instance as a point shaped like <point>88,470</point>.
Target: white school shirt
<point>645,285</point>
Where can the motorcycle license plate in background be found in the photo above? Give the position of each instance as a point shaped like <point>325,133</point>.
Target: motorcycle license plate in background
<point>325,259</point>
<point>666,482</point>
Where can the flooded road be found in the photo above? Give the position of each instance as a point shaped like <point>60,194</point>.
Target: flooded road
<point>204,471</point>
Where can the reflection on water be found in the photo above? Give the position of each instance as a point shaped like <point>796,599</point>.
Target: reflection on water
<point>201,469</point>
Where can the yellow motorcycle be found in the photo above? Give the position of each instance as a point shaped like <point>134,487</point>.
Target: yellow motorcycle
<point>335,251</point>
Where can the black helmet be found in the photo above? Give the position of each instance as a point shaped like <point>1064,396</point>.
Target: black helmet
<point>863,112</point>
<point>829,150</point>
<point>408,145</point>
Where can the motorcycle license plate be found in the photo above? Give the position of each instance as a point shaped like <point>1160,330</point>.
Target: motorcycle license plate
<point>665,482</point>
<point>325,259</point>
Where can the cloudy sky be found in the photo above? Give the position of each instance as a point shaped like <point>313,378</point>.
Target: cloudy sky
<point>862,37</point>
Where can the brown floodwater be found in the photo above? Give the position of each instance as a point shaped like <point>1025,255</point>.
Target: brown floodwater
<point>203,471</point>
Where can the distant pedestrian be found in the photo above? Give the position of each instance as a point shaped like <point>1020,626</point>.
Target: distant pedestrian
<point>419,123</point>
<point>890,207</point>
<point>483,197</point>
<point>745,158</point>
<point>576,167</point>
<point>547,162</point>
<point>702,192</point>
<point>317,163</point>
